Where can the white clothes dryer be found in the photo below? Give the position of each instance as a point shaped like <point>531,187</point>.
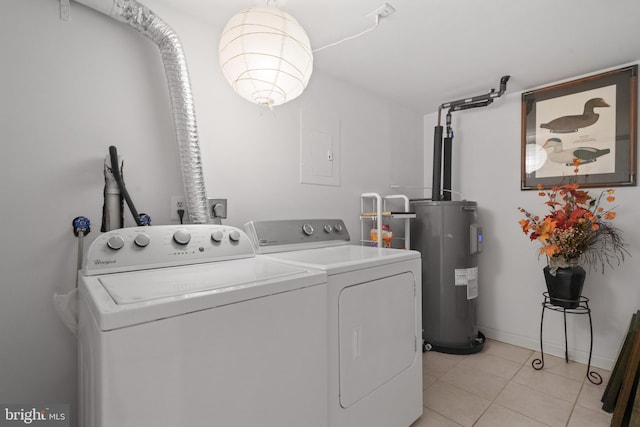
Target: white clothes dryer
<point>185,326</point>
<point>374,318</point>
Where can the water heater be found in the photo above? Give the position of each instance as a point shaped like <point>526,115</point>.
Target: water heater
<point>449,238</point>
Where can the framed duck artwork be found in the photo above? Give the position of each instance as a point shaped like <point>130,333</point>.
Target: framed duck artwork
<point>590,122</point>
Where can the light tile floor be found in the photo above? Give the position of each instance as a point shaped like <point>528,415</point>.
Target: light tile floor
<point>498,387</point>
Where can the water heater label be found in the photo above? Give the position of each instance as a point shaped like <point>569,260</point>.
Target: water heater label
<point>461,276</point>
<point>472,286</point>
<point>468,277</point>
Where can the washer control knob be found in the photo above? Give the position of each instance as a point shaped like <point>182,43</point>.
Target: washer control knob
<point>142,240</point>
<point>338,228</point>
<point>234,235</point>
<point>217,236</point>
<point>182,237</point>
<point>327,228</point>
<point>307,229</point>
<point>115,242</point>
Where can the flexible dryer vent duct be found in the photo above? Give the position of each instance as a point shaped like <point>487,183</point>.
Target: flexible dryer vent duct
<point>148,23</point>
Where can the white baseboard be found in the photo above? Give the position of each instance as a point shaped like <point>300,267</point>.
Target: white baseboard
<point>553,349</point>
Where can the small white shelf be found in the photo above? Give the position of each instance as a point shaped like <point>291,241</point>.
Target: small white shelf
<point>398,215</point>
<point>373,207</point>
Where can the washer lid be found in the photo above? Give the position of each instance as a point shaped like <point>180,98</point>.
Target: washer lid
<point>339,259</point>
<point>140,286</point>
<point>124,299</point>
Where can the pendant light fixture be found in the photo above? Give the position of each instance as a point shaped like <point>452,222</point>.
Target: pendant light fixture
<point>265,55</point>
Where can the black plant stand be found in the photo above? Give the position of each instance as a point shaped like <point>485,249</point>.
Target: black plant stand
<point>581,308</point>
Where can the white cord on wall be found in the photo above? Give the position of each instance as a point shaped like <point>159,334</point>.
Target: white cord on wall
<point>381,12</point>
<point>351,37</point>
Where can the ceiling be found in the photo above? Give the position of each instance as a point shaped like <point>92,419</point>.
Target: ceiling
<point>432,51</point>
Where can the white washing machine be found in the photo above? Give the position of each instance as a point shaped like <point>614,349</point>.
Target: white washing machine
<point>374,318</point>
<point>185,326</point>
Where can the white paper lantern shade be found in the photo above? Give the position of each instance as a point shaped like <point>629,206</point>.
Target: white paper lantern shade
<point>266,56</point>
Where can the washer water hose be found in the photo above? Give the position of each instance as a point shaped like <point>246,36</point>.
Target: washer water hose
<point>114,192</point>
<point>66,305</point>
<point>117,175</point>
<point>150,25</point>
<point>81,227</point>
<point>113,208</point>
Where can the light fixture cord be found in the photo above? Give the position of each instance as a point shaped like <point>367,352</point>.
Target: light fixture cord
<point>351,37</point>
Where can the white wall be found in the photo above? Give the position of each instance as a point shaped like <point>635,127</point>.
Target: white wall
<point>487,169</point>
<point>69,90</point>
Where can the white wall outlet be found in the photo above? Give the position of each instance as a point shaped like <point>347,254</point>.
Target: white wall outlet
<point>178,202</point>
<point>220,206</point>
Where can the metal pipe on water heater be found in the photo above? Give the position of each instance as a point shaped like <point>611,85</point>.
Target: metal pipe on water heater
<point>458,105</point>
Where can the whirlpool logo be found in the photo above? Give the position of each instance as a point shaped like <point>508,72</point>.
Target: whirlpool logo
<point>47,415</point>
<point>104,261</point>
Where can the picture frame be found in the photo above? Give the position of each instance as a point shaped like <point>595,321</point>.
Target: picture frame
<point>593,119</point>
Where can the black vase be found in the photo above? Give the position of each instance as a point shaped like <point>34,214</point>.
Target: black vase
<point>565,288</point>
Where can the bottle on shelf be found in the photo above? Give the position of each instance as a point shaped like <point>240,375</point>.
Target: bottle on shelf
<point>387,235</point>
<point>373,236</point>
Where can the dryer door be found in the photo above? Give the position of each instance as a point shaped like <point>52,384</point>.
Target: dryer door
<point>377,323</point>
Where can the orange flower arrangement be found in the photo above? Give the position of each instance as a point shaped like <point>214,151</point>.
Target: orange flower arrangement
<point>577,227</point>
